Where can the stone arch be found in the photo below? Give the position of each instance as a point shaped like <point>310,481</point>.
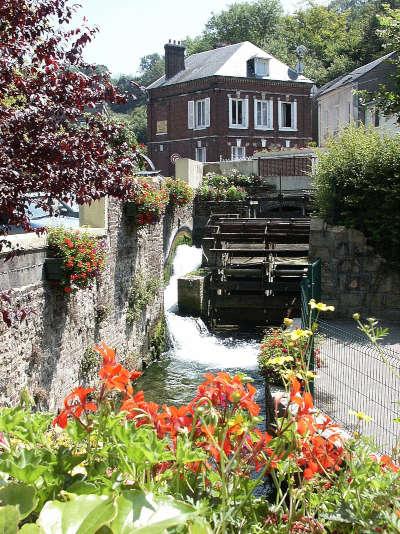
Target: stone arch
<point>181,236</point>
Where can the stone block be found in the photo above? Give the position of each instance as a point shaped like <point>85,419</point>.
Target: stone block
<point>317,225</point>
<point>191,294</point>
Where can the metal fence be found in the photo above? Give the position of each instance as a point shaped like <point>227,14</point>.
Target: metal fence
<point>352,374</point>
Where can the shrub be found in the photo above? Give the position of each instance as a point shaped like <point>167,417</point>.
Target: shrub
<point>357,182</point>
<point>225,187</point>
<point>235,193</point>
<point>83,257</point>
<point>180,192</point>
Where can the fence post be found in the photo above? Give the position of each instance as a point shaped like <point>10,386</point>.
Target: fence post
<point>310,288</point>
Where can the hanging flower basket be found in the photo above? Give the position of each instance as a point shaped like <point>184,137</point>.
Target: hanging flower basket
<point>54,269</point>
<point>147,202</point>
<point>75,260</point>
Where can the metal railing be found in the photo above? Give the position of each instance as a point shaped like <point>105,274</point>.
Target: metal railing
<point>352,374</point>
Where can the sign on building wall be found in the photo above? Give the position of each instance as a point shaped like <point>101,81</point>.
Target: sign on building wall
<point>162,127</point>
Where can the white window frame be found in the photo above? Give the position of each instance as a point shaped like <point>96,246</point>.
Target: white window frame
<point>199,114</point>
<point>200,150</point>
<point>245,113</point>
<point>258,62</point>
<point>270,114</point>
<point>235,152</point>
<point>293,105</point>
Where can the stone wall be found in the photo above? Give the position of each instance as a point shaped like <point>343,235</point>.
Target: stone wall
<point>50,350</point>
<point>354,277</point>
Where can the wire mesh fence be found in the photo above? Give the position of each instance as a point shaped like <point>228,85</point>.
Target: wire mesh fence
<point>352,374</point>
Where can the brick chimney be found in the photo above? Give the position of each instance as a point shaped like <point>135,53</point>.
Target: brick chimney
<point>174,58</point>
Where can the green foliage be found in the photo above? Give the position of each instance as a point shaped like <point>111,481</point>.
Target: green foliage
<point>142,293</point>
<point>241,21</point>
<point>225,187</point>
<point>357,184</point>
<point>158,339</point>
<point>387,98</point>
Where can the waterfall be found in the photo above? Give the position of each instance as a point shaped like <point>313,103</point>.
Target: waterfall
<point>190,337</point>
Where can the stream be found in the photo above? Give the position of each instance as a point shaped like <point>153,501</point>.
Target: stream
<point>195,351</point>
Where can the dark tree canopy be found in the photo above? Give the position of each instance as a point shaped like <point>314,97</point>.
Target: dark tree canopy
<point>55,139</point>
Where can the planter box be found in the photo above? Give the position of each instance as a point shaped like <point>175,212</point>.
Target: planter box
<point>130,209</point>
<point>53,269</point>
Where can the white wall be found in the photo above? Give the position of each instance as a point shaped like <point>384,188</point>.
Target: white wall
<point>338,108</point>
<point>189,170</point>
<point>335,111</point>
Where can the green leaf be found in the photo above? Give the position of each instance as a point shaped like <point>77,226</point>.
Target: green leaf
<point>142,513</point>
<point>24,497</point>
<point>31,529</point>
<point>82,514</point>
<point>200,526</point>
<point>27,467</point>
<point>9,519</point>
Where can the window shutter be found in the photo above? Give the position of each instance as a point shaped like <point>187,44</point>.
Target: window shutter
<point>255,113</point>
<point>246,113</point>
<point>270,113</point>
<point>279,114</point>
<point>294,115</point>
<point>207,112</point>
<point>191,114</point>
<point>230,111</point>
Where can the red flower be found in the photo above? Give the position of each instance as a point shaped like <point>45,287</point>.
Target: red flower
<point>68,242</point>
<point>106,352</point>
<point>116,377</point>
<point>67,289</point>
<point>75,404</point>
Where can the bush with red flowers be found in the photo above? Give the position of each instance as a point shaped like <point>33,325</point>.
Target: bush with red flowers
<point>180,192</point>
<point>83,257</point>
<point>151,198</point>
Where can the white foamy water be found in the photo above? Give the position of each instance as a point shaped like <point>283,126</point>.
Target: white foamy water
<point>190,337</point>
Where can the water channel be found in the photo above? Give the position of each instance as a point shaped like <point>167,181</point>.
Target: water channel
<point>194,351</point>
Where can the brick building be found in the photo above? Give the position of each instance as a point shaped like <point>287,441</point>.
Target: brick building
<point>225,103</point>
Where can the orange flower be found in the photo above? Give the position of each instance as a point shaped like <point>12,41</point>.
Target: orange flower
<point>106,352</point>
<point>116,377</point>
<point>75,404</point>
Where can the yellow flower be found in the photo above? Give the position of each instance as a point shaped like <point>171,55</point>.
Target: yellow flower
<point>320,306</point>
<point>287,321</point>
<point>361,416</point>
<point>356,316</point>
<point>297,334</point>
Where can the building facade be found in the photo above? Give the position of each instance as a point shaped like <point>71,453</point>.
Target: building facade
<point>226,103</point>
<point>341,103</point>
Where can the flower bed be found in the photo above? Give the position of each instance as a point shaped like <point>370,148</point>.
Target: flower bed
<point>75,260</point>
<point>114,461</point>
<point>180,192</point>
<point>221,187</point>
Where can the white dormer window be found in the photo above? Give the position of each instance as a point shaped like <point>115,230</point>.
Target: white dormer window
<point>263,114</point>
<point>199,114</point>
<point>287,115</point>
<point>261,67</point>
<point>238,113</point>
